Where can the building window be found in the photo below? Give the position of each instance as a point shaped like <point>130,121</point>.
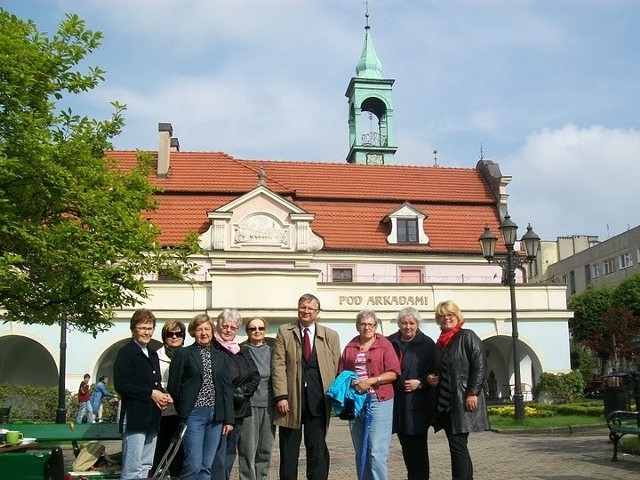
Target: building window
<point>407,230</point>
<point>625,260</point>
<point>343,275</point>
<point>587,274</point>
<point>638,255</point>
<point>572,282</point>
<point>595,270</point>
<point>608,267</point>
<point>411,275</point>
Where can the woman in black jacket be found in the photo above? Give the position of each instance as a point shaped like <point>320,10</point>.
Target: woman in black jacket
<point>461,405</point>
<point>246,379</point>
<point>200,385</point>
<point>413,410</point>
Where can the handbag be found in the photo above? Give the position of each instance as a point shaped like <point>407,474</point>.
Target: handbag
<point>348,410</point>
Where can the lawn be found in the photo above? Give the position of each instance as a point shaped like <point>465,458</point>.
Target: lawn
<point>544,416</point>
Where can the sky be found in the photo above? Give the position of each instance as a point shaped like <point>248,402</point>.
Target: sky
<point>548,89</point>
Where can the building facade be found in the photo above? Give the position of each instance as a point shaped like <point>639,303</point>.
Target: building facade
<point>604,263</point>
<point>365,233</point>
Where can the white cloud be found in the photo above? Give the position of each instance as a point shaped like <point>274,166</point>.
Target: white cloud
<point>577,181</point>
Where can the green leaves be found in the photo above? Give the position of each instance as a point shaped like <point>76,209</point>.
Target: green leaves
<point>74,239</point>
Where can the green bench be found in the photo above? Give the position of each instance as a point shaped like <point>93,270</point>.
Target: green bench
<point>32,463</point>
<point>621,423</point>
<point>66,432</point>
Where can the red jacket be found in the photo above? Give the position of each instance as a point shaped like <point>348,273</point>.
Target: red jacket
<point>83,393</point>
<point>381,358</point>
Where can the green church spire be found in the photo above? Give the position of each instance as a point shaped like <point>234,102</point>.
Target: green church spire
<point>369,65</point>
<point>371,137</point>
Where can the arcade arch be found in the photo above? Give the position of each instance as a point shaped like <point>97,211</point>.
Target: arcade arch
<point>25,361</point>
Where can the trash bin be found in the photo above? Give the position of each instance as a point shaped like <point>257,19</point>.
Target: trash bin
<point>616,392</point>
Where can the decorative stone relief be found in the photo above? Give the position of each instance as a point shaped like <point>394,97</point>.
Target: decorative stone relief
<point>260,229</point>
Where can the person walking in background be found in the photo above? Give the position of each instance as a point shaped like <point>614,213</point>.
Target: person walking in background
<point>99,393</point>
<point>414,402</point>
<point>372,357</point>
<point>257,432</point>
<point>173,333</point>
<point>200,383</point>
<point>136,376</point>
<point>461,406</point>
<point>84,405</point>
<point>305,363</point>
<point>245,380</point>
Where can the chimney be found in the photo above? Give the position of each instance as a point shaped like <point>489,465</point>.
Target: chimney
<point>165,131</point>
<point>174,146</point>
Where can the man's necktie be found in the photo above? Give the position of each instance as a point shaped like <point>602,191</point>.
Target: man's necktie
<point>306,345</point>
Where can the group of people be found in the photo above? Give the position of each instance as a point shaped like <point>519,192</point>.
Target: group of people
<point>90,401</point>
<point>231,396</point>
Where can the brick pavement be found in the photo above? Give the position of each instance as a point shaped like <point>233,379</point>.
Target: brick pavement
<point>581,456</point>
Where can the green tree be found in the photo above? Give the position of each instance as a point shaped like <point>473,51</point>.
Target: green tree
<point>74,241</point>
<point>587,325</point>
<point>588,308</point>
<point>615,337</point>
<point>627,294</point>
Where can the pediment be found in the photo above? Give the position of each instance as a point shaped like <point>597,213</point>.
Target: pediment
<point>260,192</point>
<point>406,210</point>
<point>260,220</point>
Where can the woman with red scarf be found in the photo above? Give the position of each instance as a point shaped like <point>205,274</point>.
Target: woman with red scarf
<point>461,407</point>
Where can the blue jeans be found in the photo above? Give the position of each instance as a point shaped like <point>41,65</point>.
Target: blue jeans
<point>200,443</point>
<point>379,439</point>
<point>85,407</point>
<point>226,453</point>
<point>138,449</point>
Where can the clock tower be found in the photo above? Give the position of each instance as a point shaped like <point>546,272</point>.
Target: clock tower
<point>371,137</point>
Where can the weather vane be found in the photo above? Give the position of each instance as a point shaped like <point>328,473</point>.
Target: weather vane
<point>366,12</point>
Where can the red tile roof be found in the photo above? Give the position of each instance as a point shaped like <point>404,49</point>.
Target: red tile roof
<point>349,201</point>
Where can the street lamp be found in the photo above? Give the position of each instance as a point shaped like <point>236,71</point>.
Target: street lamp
<point>531,242</point>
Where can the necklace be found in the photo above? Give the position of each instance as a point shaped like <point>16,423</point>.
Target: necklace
<point>365,346</point>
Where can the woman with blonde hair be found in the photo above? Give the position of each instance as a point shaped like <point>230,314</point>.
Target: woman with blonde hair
<point>200,385</point>
<point>461,407</point>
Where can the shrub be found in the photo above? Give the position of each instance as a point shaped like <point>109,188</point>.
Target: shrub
<point>561,387</point>
<point>40,404</point>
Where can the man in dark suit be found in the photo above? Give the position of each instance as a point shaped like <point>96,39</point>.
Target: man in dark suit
<point>137,379</point>
<point>305,362</point>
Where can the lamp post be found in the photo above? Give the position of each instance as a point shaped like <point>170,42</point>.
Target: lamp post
<point>510,262</point>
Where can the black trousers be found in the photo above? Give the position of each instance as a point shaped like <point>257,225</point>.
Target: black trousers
<point>461,466</point>
<point>315,443</point>
<point>415,451</point>
<point>168,426</point>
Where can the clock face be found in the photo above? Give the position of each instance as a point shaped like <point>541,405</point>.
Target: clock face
<point>374,159</point>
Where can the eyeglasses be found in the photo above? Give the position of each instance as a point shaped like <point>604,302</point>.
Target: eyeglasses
<point>253,329</point>
<point>175,334</point>
<point>368,325</point>
<point>233,328</point>
<point>145,329</point>
<point>308,309</point>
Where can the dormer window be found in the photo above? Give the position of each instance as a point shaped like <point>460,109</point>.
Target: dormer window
<point>407,226</point>
<point>407,230</point>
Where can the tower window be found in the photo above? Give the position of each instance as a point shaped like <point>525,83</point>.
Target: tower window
<point>407,230</point>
